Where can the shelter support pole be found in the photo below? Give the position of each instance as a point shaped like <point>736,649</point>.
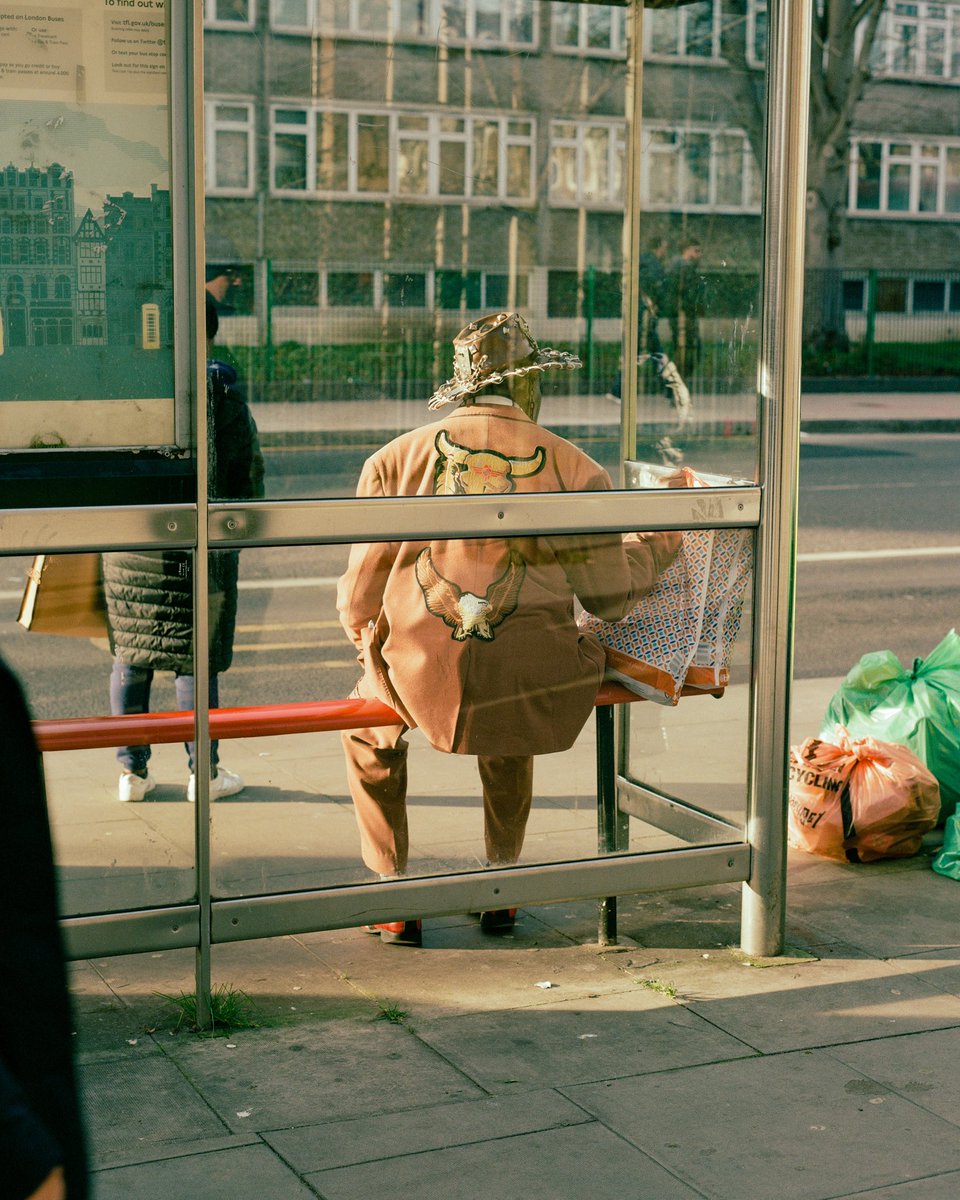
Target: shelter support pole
<point>788,94</point>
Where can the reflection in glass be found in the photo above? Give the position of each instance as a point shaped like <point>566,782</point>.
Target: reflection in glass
<point>414,177</point>
<point>294,826</point>
<point>122,841</point>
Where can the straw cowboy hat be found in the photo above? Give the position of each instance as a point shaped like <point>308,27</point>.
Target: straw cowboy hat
<point>492,349</point>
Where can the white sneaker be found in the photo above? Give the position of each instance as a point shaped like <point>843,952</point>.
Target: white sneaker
<point>134,787</point>
<point>225,784</point>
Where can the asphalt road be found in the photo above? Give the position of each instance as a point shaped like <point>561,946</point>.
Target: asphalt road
<point>878,564</point>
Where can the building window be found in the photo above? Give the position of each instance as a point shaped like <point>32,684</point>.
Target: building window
<point>588,29</point>
<point>350,289</point>
<point>917,178</point>
<point>918,41</point>
<point>586,162</point>
<point>458,289</point>
<point>6,250</point>
<point>854,294</point>
<point>229,14</point>
<point>497,291</point>
<point>61,287</point>
<point>290,138</point>
<point>295,289</point>
<point>757,33</point>
<point>38,287</point>
<point>929,295</point>
<point>692,31</point>
<point>402,289</point>
<point>709,169</point>
<point>23,251</point>
<point>482,24</point>
<point>425,155</point>
<point>229,147</point>
<point>891,295</point>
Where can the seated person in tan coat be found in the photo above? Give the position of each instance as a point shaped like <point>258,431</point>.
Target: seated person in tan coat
<point>474,641</point>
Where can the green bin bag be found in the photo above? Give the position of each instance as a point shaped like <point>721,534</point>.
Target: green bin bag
<point>919,708</point>
<point>947,861</point>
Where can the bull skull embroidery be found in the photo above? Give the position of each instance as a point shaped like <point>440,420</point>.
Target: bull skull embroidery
<point>460,471</point>
<point>466,614</point>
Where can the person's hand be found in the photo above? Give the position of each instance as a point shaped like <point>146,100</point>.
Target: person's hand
<point>54,1187</point>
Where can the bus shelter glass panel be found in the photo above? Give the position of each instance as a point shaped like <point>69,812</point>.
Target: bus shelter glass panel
<point>90,412</point>
<point>379,175</point>
<point>294,827</point>
<point>121,818</point>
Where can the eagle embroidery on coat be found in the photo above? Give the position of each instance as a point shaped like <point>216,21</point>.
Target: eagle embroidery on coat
<point>466,614</point>
<point>460,471</point>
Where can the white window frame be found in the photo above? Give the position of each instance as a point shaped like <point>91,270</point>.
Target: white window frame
<point>926,19</point>
<point>680,203</point>
<point>433,135</point>
<point>436,28</point>
<point>212,21</point>
<point>916,158</point>
<point>309,26</point>
<point>616,146</point>
<point>755,10</point>
<point>682,17</point>
<point>618,33</point>
<point>214,125</point>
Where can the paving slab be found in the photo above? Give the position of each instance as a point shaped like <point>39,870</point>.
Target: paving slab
<point>240,1173</point>
<point>605,1036</point>
<point>934,1187</point>
<point>921,1067</point>
<point>272,1078</point>
<point>391,1135</point>
<point>941,968</point>
<point>586,1160</point>
<point>886,909</point>
<point>462,970</point>
<point>796,1126</point>
<point>133,1108</point>
<point>839,996</point>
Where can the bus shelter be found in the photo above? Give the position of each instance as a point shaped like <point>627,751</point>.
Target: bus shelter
<point>344,186</point>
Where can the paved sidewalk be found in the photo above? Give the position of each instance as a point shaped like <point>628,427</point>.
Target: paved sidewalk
<point>820,412</point>
<point>670,1067</point>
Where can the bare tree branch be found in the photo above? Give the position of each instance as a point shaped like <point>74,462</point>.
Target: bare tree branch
<point>858,78</point>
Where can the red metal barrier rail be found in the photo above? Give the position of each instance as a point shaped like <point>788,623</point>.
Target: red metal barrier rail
<point>319,716</point>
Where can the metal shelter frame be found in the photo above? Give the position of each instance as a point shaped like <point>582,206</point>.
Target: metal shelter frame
<point>758,860</point>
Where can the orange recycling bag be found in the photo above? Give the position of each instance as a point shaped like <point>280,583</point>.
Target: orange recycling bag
<point>859,801</point>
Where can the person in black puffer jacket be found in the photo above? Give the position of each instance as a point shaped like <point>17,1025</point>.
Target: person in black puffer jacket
<point>149,594</point>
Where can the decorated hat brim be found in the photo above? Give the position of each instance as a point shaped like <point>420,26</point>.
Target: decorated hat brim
<point>455,389</point>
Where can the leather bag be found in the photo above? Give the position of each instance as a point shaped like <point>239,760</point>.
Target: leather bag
<point>64,595</point>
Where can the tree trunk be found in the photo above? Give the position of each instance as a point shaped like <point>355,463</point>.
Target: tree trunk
<point>824,316</point>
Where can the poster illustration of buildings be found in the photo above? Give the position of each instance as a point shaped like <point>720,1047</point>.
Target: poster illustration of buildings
<point>86,274</point>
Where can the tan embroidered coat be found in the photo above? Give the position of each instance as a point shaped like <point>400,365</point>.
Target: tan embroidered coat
<point>479,639</point>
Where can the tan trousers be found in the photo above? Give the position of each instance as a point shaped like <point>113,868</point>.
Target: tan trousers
<point>376,762</point>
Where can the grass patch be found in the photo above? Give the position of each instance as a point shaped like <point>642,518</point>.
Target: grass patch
<point>392,1013</point>
<point>230,1010</point>
<point>659,986</point>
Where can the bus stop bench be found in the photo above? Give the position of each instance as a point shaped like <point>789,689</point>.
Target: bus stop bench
<point>330,716</point>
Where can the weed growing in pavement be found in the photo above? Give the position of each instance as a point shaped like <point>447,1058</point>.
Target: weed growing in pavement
<point>230,1009</point>
<point>392,1013</point>
<point>658,985</point>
